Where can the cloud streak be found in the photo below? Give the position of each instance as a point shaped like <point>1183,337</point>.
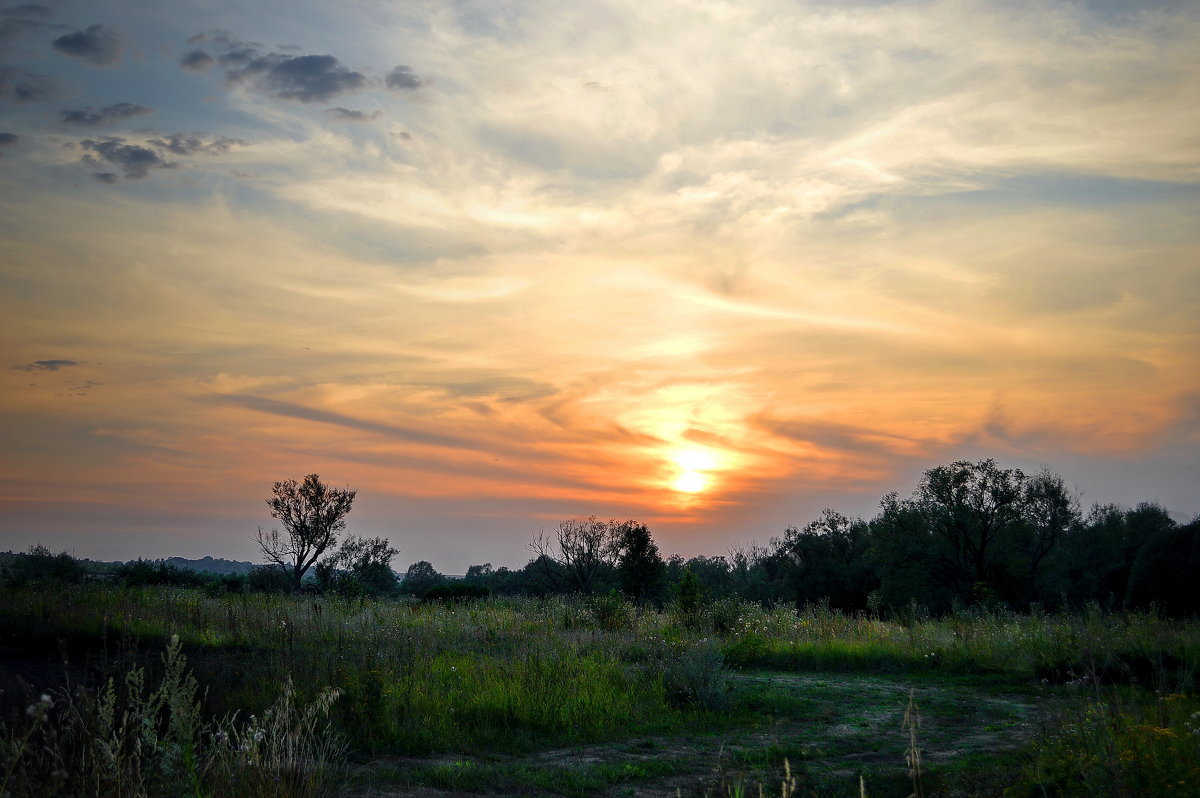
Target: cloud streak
<point>108,115</point>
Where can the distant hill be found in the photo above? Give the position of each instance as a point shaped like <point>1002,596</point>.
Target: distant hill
<point>212,565</point>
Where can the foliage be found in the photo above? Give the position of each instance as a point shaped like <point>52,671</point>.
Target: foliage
<point>42,567</point>
<point>639,565</point>
<point>420,578</point>
<point>130,739</point>
<point>695,677</point>
<point>456,591</point>
<point>689,597</point>
<point>139,573</point>
<point>312,515</point>
<point>1109,745</point>
<point>359,566</point>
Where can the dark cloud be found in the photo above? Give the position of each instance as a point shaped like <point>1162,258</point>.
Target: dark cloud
<point>28,10</point>
<point>18,21</point>
<point>197,61</point>
<point>8,139</point>
<point>402,78</point>
<point>349,115</point>
<point>46,365</point>
<point>96,45</point>
<point>307,78</point>
<point>19,86</point>
<point>834,435</point>
<point>290,410</point>
<point>182,144</point>
<point>91,117</point>
<point>135,162</point>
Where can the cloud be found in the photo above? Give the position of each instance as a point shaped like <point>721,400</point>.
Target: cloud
<point>291,410</point>
<point>96,45</point>
<point>197,61</point>
<point>8,139</point>
<point>836,436</point>
<point>18,21</point>
<point>402,78</point>
<point>349,115</point>
<point>134,161</point>
<point>181,144</point>
<point>19,86</point>
<point>306,78</point>
<point>91,117</point>
<point>47,365</point>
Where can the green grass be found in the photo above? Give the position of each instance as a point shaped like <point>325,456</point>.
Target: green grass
<point>518,676</point>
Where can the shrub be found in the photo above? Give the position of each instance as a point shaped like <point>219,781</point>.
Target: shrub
<point>456,591</point>
<point>611,611</point>
<point>129,739</point>
<point>696,678</point>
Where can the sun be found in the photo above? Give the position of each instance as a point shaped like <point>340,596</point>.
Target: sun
<point>692,466</point>
<point>690,482</point>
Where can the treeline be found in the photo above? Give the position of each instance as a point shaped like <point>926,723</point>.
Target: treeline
<point>970,535</point>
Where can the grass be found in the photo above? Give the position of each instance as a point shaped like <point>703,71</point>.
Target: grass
<point>518,677</point>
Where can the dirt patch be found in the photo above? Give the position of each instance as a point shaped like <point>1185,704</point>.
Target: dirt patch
<point>852,725</point>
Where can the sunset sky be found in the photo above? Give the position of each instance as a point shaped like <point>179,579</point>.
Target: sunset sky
<point>710,265</point>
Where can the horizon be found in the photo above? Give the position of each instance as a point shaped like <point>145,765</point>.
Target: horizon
<point>495,265</point>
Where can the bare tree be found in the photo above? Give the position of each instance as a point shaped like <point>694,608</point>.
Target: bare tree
<point>584,548</point>
<point>312,514</point>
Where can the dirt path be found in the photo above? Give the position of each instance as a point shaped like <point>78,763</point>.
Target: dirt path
<point>836,727</point>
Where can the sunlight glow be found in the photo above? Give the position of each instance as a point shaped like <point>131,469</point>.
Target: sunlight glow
<point>692,465</point>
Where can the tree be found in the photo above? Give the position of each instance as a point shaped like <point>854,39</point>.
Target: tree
<point>312,515</point>
<point>639,564</point>
<point>973,508</point>
<point>827,559</point>
<point>585,550</point>
<point>421,577</point>
<point>360,565</point>
<point>1050,511</point>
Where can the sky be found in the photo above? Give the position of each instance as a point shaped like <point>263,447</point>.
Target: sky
<point>713,266</point>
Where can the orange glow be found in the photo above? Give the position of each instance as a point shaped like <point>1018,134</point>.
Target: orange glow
<point>692,466</point>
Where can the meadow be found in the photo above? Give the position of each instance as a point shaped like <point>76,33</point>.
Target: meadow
<point>173,691</point>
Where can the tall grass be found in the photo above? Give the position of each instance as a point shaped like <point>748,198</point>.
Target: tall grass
<point>516,672</point>
<point>132,739</point>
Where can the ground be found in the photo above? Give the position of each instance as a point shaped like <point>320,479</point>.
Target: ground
<point>832,728</point>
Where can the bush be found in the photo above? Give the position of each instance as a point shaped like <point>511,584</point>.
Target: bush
<point>139,573</point>
<point>611,611</point>
<point>268,579</point>
<point>456,591</point>
<point>132,740</point>
<point>696,678</point>
<point>41,567</point>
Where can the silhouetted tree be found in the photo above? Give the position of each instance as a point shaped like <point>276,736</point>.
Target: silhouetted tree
<point>579,553</point>
<point>360,565</point>
<point>41,566</point>
<point>1049,512</point>
<point>639,564</point>
<point>827,560</point>
<point>312,515</point>
<point>1164,572</point>
<point>420,578</point>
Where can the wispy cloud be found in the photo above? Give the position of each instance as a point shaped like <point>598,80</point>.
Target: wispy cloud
<point>47,365</point>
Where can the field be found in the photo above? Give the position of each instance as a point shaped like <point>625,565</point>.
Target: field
<point>162,691</point>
